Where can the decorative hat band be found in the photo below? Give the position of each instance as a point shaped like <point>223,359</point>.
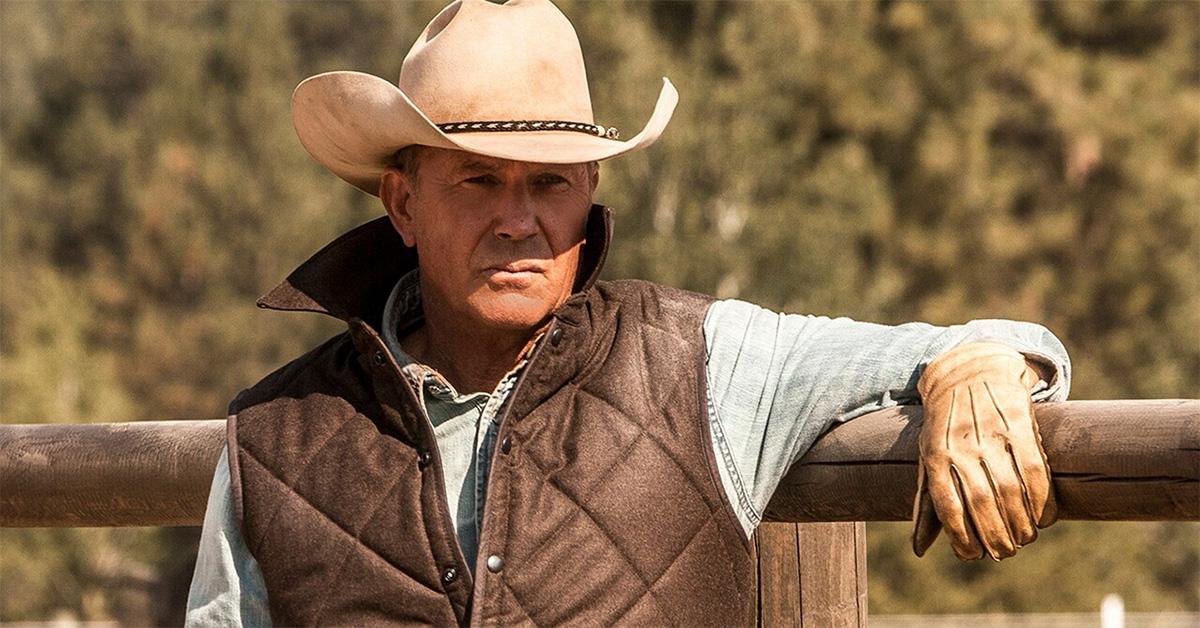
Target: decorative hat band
<point>530,125</point>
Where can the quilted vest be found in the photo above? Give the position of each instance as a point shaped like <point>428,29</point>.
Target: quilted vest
<point>604,502</point>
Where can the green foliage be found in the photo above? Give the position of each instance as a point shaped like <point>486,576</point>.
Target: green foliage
<point>887,160</point>
<point>1153,566</point>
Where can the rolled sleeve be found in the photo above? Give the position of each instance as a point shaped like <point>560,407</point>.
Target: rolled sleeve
<point>227,584</point>
<point>777,382</point>
<point>1037,344</point>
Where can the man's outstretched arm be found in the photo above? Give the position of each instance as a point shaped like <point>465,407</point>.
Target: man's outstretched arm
<point>778,382</point>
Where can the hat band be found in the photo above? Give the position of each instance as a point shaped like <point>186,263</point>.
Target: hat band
<point>510,126</point>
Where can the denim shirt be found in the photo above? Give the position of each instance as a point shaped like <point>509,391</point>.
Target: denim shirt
<point>776,382</point>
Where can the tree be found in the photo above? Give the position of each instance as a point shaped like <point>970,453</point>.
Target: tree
<point>887,160</point>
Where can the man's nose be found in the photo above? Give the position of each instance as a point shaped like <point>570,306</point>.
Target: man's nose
<point>516,219</point>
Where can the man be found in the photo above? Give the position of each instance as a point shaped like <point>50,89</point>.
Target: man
<point>501,438</point>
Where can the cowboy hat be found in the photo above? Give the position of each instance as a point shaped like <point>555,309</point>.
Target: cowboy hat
<point>503,80</point>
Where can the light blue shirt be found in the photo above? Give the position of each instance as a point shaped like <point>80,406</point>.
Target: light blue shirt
<point>776,382</point>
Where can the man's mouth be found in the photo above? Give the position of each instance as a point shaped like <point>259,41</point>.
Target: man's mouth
<point>519,267</point>
<point>514,274</point>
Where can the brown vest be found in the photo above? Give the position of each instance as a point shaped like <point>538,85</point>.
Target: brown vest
<point>604,502</point>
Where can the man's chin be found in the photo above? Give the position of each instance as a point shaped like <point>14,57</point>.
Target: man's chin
<point>513,312</point>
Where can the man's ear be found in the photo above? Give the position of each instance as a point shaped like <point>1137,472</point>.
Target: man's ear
<point>595,177</point>
<point>395,190</point>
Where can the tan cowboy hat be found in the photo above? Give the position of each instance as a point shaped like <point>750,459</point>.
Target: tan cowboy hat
<point>505,80</point>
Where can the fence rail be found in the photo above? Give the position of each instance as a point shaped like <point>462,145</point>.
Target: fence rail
<point>1115,460</point>
<point>1112,460</point>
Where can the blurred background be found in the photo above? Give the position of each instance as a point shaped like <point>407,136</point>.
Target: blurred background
<point>885,160</point>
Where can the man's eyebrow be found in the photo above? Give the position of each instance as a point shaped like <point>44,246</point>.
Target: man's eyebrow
<point>478,165</point>
<point>556,167</point>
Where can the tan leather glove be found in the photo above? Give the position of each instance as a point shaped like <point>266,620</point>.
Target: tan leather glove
<point>982,472</point>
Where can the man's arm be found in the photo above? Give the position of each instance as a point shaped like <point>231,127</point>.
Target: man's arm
<point>777,382</point>
<point>227,585</point>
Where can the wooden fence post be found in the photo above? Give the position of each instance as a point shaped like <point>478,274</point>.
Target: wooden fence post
<point>812,575</point>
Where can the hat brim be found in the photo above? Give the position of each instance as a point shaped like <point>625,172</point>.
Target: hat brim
<point>353,123</point>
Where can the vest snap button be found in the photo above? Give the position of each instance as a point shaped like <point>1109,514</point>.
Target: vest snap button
<point>449,574</point>
<point>556,336</point>
<point>495,563</point>
<point>424,457</point>
<point>505,445</point>
<point>379,359</point>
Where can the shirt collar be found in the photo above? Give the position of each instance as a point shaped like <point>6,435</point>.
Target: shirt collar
<point>354,275</point>
<point>402,313</point>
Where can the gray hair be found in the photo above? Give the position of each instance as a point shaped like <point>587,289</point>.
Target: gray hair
<point>407,160</point>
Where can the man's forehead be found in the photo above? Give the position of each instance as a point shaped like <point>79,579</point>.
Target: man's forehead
<point>463,160</point>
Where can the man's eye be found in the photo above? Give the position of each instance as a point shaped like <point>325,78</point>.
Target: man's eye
<point>551,180</point>
<point>483,179</point>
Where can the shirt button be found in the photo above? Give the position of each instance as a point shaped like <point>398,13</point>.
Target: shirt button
<point>505,445</point>
<point>556,336</point>
<point>449,574</point>
<point>495,563</point>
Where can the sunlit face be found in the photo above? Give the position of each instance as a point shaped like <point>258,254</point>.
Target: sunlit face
<point>498,240</point>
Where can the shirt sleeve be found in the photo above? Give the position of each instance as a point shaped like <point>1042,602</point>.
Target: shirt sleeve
<point>227,585</point>
<point>776,382</point>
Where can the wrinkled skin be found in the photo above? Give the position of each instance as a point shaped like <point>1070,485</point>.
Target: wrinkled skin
<point>499,243</point>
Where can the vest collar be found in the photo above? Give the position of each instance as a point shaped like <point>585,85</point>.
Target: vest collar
<point>352,276</point>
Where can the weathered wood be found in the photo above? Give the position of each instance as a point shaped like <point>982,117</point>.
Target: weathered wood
<point>1112,460</point>
<point>812,575</point>
<point>757,582</point>
<point>860,570</point>
<point>831,592</point>
<point>779,600</point>
<point>107,474</point>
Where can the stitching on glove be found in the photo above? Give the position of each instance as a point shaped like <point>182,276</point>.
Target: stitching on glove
<point>950,418</point>
<point>1004,419</point>
<point>972,531</point>
<point>974,416</point>
<point>1012,538</point>
<point>1012,457</point>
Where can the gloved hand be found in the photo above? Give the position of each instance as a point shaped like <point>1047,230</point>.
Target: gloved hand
<point>982,471</point>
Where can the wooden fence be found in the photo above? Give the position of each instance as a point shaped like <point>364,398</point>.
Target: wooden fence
<point>1111,460</point>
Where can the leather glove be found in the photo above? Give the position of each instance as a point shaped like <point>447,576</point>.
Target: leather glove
<point>982,471</point>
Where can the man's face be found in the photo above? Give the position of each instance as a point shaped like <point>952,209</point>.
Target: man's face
<point>499,240</point>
